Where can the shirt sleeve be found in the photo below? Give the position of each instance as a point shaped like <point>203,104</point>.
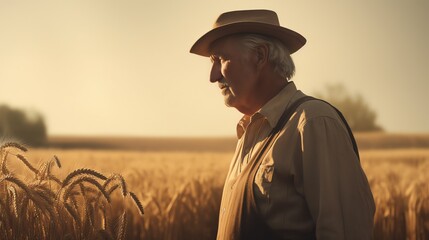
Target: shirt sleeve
<point>334,184</point>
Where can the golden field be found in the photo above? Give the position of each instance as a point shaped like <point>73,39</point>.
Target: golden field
<point>180,190</point>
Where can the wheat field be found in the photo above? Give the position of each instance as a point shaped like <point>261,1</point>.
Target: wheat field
<point>179,192</point>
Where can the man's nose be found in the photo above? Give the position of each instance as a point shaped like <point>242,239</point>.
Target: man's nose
<point>215,73</point>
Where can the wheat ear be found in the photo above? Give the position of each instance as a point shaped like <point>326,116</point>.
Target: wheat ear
<point>85,179</point>
<point>137,202</point>
<point>57,161</point>
<point>13,145</point>
<point>123,227</point>
<point>55,179</point>
<point>17,182</point>
<point>3,164</point>
<point>44,191</point>
<point>27,163</point>
<point>12,191</point>
<point>82,171</point>
<point>121,180</point>
<point>74,215</point>
<point>24,206</point>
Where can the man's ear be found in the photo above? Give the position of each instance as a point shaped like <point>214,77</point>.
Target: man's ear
<point>262,54</point>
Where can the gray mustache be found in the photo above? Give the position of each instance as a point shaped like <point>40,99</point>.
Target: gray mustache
<point>223,84</point>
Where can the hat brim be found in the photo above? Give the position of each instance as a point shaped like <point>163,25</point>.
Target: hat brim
<point>291,39</point>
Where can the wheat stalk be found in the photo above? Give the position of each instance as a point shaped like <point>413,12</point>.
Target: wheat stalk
<point>43,201</point>
<point>85,179</point>
<point>121,183</point>
<point>47,194</point>
<point>103,234</point>
<point>113,188</point>
<point>5,211</point>
<point>72,212</point>
<point>63,209</point>
<point>43,171</point>
<point>55,179</point>
<point>82,189</point>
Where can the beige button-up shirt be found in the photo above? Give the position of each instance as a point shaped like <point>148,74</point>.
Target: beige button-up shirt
<point>311,179</point>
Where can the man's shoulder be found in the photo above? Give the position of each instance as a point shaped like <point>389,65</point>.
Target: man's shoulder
<point>315,109</point>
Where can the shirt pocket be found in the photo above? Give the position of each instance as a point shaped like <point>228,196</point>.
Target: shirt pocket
<point>263,180</point>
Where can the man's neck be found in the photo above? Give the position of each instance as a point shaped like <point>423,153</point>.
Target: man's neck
<point>265,93</point>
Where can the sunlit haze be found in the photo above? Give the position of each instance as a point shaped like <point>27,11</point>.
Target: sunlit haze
<point>123,67</point>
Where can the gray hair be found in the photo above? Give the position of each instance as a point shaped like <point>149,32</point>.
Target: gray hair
<point>278,54</point>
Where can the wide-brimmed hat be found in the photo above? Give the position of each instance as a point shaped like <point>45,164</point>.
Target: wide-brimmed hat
<point>264,22</point>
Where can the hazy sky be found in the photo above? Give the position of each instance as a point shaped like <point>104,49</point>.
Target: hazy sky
<point>123,67</point>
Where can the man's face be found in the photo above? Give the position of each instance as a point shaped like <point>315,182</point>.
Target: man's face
<point>234,70</point>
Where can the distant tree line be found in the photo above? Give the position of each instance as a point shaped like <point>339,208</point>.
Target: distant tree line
<point>359,115</point>
<point>23,126</point>
<point>29,127</point>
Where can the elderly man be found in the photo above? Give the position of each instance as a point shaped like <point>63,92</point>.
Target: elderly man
<point>296,172</point>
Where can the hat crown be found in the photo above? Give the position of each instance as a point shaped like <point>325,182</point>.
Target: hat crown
<point>256,16</point>
<point>261,21</point>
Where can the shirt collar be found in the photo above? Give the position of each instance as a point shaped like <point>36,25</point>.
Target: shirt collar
<point>271,111</point>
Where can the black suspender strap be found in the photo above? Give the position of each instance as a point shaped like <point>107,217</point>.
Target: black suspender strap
<point>281,123</point>
<point>252,226</point>
<point>288,113</point>
<point>349,130</point>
